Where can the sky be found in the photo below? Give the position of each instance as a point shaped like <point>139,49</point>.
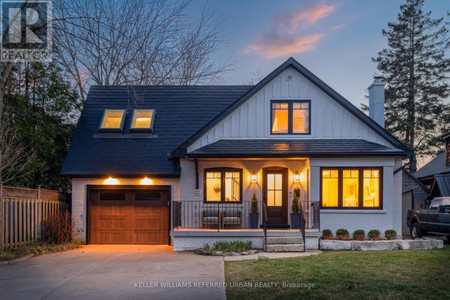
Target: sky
<point>335,40</point>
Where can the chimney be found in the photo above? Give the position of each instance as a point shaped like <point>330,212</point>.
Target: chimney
<point>446,138</point>
<point>376,101</point>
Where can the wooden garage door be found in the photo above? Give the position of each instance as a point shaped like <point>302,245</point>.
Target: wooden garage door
<point>129,217</point>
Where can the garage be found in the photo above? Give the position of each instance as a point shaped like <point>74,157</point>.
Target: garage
<point>129,216</point>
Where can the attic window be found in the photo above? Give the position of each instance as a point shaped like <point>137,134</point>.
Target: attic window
<point>142,120</point>
<point>112,120</point>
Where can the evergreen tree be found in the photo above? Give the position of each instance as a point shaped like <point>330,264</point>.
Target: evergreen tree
<point>416,70</point>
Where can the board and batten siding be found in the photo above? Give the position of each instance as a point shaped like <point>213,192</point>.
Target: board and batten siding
<point>252,119</point>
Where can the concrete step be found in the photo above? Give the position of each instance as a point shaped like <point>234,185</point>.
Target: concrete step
<point>284,233</point>
<point>285,248</point>
<point>284,240</point>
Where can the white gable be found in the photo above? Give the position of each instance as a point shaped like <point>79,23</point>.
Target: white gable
<point>252,119</point>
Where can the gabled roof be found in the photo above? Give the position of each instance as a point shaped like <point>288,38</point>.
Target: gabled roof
<point>259,148</point>
<point>292,63</point>
<point>435,166</point>
<point>180,111</point>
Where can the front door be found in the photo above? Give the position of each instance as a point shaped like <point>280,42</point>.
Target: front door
<point>275,187</point>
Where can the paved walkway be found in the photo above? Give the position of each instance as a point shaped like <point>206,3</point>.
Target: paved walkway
<point>114,272</point>
<point>271,255</point>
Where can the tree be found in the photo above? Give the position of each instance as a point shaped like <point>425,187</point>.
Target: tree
<point>416,70</point>
<point>125,42</point>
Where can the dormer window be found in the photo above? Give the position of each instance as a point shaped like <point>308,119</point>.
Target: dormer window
<point>290,117</point>
<point>142,120</point>
<point>112,120</point>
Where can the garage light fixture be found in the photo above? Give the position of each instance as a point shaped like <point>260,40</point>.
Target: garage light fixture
<point>111,181</point>
<point>146,181</point>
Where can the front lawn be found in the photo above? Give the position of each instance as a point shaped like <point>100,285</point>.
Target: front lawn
<point>340,274</point>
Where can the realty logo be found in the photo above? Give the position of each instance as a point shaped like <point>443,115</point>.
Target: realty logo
<point>26,31</point>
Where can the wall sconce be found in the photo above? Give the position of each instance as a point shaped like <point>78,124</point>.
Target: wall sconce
<point>111,181</point>
<point>302,177</point>
<point>253,177</point>
<point>296,176</point>
<point>146,181</point>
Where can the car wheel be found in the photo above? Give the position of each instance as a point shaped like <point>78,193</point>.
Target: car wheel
<point>415,231</point>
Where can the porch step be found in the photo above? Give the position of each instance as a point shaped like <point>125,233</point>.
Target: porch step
<point>285,247</point>
<point>284,240</point>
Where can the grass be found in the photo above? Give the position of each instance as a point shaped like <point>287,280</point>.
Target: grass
<point>37,248</point>
<point>344,275</point>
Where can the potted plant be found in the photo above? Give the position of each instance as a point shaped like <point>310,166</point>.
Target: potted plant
<point>295,216</point>
<point>254,213</point>
<point>374,234</point>
<point>390,234</point>
<point>342,234</point>
<point>327,234</point>
<point>359,234</point>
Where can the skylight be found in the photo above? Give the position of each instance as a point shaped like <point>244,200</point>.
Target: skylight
<point>112,120</point>
<point>142,120</point>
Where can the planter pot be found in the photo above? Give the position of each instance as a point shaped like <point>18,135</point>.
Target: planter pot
<point>358,237</point>
<point>254,220</point>
<point>295,221</point>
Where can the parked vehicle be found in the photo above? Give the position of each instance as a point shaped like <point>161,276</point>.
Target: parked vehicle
<point>434,220</point>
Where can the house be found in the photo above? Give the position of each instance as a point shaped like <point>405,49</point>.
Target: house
<point>180,164</point>
<point>414,196</point>
<point>436,174</point>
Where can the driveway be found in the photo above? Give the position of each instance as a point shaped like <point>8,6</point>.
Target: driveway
<point>114,272</point>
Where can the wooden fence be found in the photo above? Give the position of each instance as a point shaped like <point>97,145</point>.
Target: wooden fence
<point>23,211</point>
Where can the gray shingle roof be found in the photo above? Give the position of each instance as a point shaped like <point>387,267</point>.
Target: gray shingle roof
<point>443,181</point>
<point>288,148</point>
<point>180,112</point>
<point>435,166</point>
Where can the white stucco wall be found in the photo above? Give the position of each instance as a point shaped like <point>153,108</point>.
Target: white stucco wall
<point>387,218</point>
<point>79,199</point>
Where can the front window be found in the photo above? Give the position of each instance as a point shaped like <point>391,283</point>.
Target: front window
<point>112,120</point>
<point>351,188</point>
<point>291,117</point>
<point>223,185</point>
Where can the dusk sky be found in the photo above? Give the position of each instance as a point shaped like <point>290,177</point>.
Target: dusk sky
<point>333,39</point>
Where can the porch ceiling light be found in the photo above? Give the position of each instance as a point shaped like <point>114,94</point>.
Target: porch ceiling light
<point>296,176</point>
<point>146,181</point>
<point>111,181</point>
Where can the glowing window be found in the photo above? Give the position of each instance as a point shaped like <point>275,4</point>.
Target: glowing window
<point>350,190</point>
<point>223,185</point>
<point>112,120</point>
<point>274,189</point>
<point>371,188</point>
<point>290,117</point>
<point>142,120</point>
<point>330,192</point>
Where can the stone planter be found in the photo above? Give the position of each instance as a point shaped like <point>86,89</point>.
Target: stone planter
<point>295,221</point>
<point>381,245</point>
<point>254,221</point>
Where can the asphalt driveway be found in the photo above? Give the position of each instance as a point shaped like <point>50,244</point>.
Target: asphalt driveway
<point>115,272</point>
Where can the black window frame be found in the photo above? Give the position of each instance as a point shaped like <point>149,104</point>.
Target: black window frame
<point>222,170</point>
<point>360,188</point>
<point>114,130</point>
<point>152,121</point>
<point>290,116</point>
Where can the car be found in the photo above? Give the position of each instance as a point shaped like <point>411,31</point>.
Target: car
<point>434,220</point>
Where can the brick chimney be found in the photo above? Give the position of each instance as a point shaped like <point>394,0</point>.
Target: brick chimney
<point>446,138</point>
<point>376,101</point>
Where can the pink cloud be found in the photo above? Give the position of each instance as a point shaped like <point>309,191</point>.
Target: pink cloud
<point>276,46</point>
<point>303,18</point>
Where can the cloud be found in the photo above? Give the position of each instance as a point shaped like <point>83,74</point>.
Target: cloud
<point>303,18</point>
<point>287,32</point>
<point>275,46</point>
<point>337,27</point>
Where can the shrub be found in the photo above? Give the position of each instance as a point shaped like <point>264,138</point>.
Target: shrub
<point>327,234</point>
<point>374,234</point>
<point>342,234</point>
<point>390,234</point>
<point>254,208</point>
<point>57,229</point>
<point>206,247</point>
<point>235,246</point>
<point>359,234</point>
<point>295,206</point>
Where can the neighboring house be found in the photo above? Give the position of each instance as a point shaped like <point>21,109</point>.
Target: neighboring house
<point>180,164</point>
<point>436,174</point>
<point>414,196</point>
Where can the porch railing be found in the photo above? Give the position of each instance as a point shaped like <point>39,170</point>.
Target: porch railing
<point>197,214</point>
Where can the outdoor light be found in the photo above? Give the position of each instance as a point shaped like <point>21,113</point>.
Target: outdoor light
<point>296,176</point>
<point>146,181</point>
<point>302,177</point>
<point>254,177</point>
<point>111,180</point>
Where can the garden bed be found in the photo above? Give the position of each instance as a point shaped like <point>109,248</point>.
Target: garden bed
<point>35,249</point>
<point>381,245</point>
<point>235,248</point>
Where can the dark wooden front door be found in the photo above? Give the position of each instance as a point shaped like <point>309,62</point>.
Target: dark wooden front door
<point>129,217</point>
<point>275,185</point>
